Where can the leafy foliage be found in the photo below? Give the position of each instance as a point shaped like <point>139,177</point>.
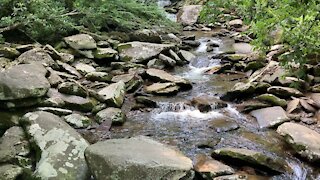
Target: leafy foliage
<point>291,22</point>
<point>47,20</point>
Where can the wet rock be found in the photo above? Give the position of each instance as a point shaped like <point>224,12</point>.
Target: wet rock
<point>146,101</point>
<point>251,157</point>
<point>72,88</point>
<point>139,52</point>
<point>56,111</point>
<point>156,64</point>
<point>145,35</point>
<point>81,42</point>
<point>99,76</point>
<point>303,140</point>
<point>236,23</point>
<point>209,168</point>
<point>284,91</point>
<point>10,172</point>
<point>223,124</point>
<point>272,99</point>
<point>113,115</point>
<point>162,89</point>
<point>36,55</point>
<point>114,94</point>
<point>105,53</point>
<point>136,158</point>
<point>78,120</point>
<point>270,117</point>
<point>14,147</point>
<point>60,147</point>
<point>23,81</point>
<point>189,15</point>
<point>186,55</point>
<point>84,68</point>
<point>9,52</point>
<point>163,76</point>
<point>167,60</point>
<point>57,99</point>
<point>207,103</point>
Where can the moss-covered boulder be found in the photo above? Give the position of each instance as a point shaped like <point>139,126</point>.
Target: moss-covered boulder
<point>272,99</point>
<point>114,115</point>
<point>59,148</point>
<point>113,94</point>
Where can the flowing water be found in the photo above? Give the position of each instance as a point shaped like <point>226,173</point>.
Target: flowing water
<point>177,123</point>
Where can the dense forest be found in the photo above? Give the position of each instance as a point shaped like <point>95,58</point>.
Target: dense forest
<point>159,89</point>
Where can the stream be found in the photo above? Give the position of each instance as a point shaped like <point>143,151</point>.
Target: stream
<point>175,122</point>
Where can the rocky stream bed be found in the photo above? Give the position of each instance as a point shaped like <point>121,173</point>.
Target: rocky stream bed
<point>200,104</point>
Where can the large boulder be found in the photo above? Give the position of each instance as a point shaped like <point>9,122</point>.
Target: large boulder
<point>270,117</point>
<point>81,42</point>
<point>113,94</point>
<point>23,81</point>
<point>140,52</point>
<point>303,140</point>
<point>189,15</point>
<point>136,158</point>
<point>36,55</point>
<point>251,157</point>
<point>59,146</point>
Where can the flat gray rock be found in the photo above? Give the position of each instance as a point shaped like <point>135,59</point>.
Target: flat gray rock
<point>136,158</point>
<point>303,140</point>
<point>270,117</point>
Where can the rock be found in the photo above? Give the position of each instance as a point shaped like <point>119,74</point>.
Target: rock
<point>293,105</point>
<point>54,78</point>
<point>81,42</point>
<point>167,60</point>
<point>191,43</point>
<point>316,88</point>
<point>236,23</point>
<point>125,65</point>
<point>305,104</point>
<point>9,52</point>
<point>254,65</point>
<point>284,91</point>
<point>270,117</point>
<point>8,119</point>
<point>288,81</point>
<point>20,103</point>
<point>59,146</point>
<point>269,73</point>
<point>66,57</point>
<point>99,76</point>
<point>146,101</point>
<point>140,52</point>
<point>163,76</point>
<point>209,168</point>
<point>176,57</point>
<point>114,94</point>
<point>162,89</point>
<point>252,157</point>
<point>69,69</point>
<point>189,15</point>
<point>72,88</point>
<point>56,111</point>
<point>132,81</point>
<point>241,176</point>
<point>105,53</point>
<point>78,120</point>
<point>207,103</point>
<point>36,55</point>
<point>156,64</point>
<point>14,147</point>
<point>84,68</point>
<point>240,90</point>
<point>145,35</point>
<point>136,158</point>
<point>57,99</point>
<point>235,57</point>
<point>251,105</point>
<point>113,115</point>
<point>10,172</point>
<point>272,99</point>
<point>303,140</point>
<point>316,98</point>
<point>186,55</point>
<point>23,81</point>
<point>223,124</point>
